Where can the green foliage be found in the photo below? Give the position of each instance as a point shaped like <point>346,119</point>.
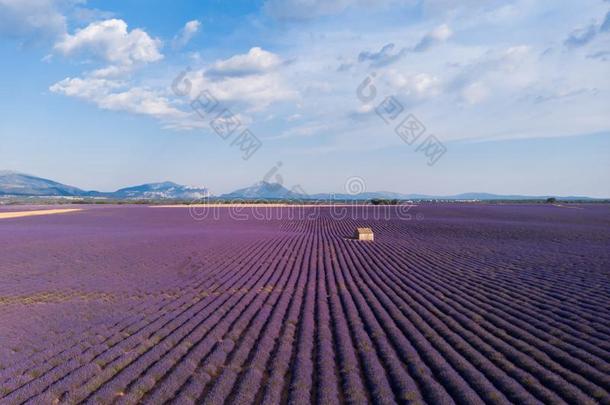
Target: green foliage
<point>381,201</point>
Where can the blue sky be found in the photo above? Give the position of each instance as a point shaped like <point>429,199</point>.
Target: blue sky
<point>516,93</point>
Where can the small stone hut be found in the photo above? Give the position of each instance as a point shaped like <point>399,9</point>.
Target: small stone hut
<point>364,234</point>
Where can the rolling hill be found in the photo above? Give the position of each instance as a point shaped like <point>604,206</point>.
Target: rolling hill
<point>24,185</point>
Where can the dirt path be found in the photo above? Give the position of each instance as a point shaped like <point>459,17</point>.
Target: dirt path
<point>19,214</point>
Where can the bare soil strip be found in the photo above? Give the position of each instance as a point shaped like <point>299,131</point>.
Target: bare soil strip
<point>19,214</point>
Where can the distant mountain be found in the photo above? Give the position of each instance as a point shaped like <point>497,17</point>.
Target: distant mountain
<point>491,197</point>
<point>382,195</point>
<point>24,185</point>
<point>273,191</point>
<point>263,191</point>
<point>164,190</point>
<point>19,184</point>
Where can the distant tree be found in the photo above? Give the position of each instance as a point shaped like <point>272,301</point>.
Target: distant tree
<point>551,200</point>
<point>382,201</point>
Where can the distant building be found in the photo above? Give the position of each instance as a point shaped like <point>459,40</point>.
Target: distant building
<point>364,234</point>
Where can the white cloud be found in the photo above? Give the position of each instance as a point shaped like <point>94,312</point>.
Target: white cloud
<point>256,61</point>
<point>111,71</point>
<point>439,34</point>
<point>581,36</point>
<point>252,80</point>
<point>585,34</point>
<point>303,131</point>
<point>509,67</point>
<point>387,55</point>
<point>257,85</point>
<point>186,34</point>
<point>482,85</point>
<point>421,85</point>
<point>31,19</point>
<point>383,57</point>
<point>118,96</point>
<point>365,109</point>
<point>475,93</point>
<point>84,88</point>
<point>111,41</point>
<point>83,15</point>
<point>256,92</point>
<point>140,101</point>
<point>250,92</point>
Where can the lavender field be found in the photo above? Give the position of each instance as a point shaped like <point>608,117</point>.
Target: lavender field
<point>466,304</point>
